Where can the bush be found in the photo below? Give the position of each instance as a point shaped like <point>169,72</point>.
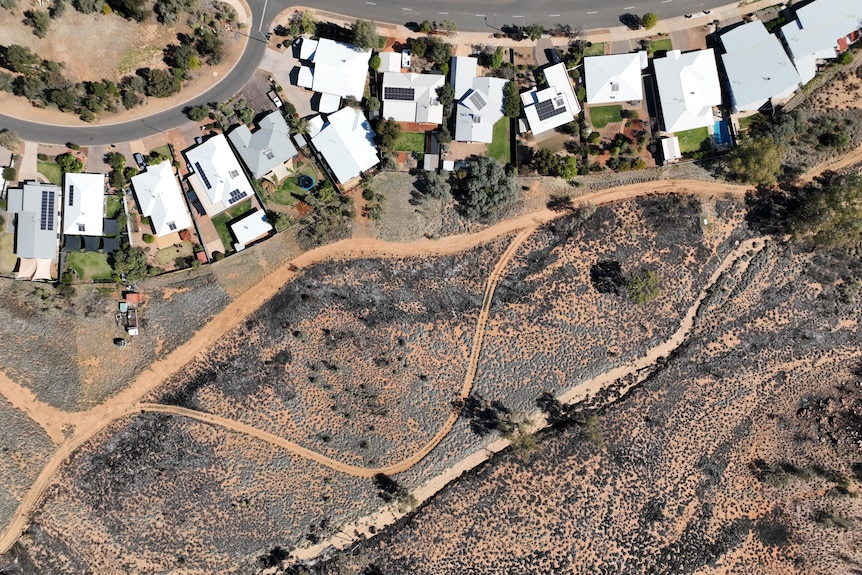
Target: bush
<point>42,157</point>
<point>218,256</point>
<point>9,174</point>
<point>845,58</point>
<point>148,239</point>
<point>40,21</point>
<point>649,20</point>
<point>365,34</point>
<point>644,286</point>
<point>197,113</point>
<point>374,62</point>
<point>485,187</point>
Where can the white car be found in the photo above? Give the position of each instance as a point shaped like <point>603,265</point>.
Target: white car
<point>275,99</point>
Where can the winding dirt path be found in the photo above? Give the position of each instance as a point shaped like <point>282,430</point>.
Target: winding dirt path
<point>89,423</point>
<point>850,158</point>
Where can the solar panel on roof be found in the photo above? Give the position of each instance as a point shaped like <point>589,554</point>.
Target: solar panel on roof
<point>547,110</point>
<point>46,220</point>
<point>202,175</point>
<point>404,94</point>
<point>477,100</point>
<point>71,195</point>
<point>236,196</point>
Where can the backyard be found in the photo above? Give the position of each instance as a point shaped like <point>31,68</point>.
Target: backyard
<point>601,116</point>
<point>182,250</point>
<point>51,171</point>
<point>221,223</point>
<point>692,140</point>
<point>285,192</point>
<point>113,207</point>
<point>411,142</point>
<point>499,146</point>
<point>90,265</point>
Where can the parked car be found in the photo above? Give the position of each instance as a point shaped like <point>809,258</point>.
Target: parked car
<point>139,160</point>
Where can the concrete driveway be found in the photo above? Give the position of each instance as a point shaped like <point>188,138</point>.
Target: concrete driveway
<point>280,64</point>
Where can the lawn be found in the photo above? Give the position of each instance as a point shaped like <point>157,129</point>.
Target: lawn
<point>90,265</point>
<point>410,142</point>
<point>164,151</point>
<point>601,116</point>
<point>288,188</point>
<point>51,171</point>
<point>113,207</point>
<point>170,253</point>
<point>499,146</point>
<point>746,122</point>
<point>8,259</point>
<point>220,222</point>
<point>597,49</point>
<point>662,45</point>
<point>691,140</point>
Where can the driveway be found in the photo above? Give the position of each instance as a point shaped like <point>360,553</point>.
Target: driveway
<point>280,64</point>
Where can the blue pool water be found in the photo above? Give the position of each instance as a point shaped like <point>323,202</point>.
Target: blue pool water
<point>722,134</point>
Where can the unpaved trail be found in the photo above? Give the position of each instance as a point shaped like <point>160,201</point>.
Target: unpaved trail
<point>850,158</point>
<point>88,423</point>
<point>48,417</point>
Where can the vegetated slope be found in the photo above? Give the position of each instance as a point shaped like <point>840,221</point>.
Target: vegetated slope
<point>60,347</point>
<point>739,455</point>
<point>24,448</point>
<point>359,360</point>
<point>560,318</point>
<point>156,493</point>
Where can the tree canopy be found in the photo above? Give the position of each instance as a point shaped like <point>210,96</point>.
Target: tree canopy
<point>829,213</point>
<point>365,34</point>
<point>649,20</point>
<point>485,187</point>
<point>756,161</point>
<point>387,133</point>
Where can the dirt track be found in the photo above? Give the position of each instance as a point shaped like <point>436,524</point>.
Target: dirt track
<point>88,423</point>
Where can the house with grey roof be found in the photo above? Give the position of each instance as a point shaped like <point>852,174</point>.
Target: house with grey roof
<point>36,208</point>
<point>265,149</point>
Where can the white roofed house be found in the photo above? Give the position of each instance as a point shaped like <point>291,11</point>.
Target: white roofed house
<point>614,79</point>
<point>36,208</point>
<point>480,101</point>
<point>217,178</point>
<point>688,88</point>
<point>389,62</point>
<point>83,204</point>
<point>757,67</point>
<point>346,143</point>
<point>250,228</point>
<point>412,97</point>
<point>160,199</point>
<point>553,106</point>
<point>339,69</point>
<point>819,32</point>
<point>267,148</point>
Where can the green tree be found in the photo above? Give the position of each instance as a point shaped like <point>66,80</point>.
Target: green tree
<point>168,10</point>
<point>387,133</point>
<point>829,213</point>
<point>374,62</point>
<point>546,162</point>
<point>649,20</point>
<point>446,96</point>
<point>756,161</point>
<point>209,45</point>
<point>198,113</point>
<point>66,99</point>
<point>434,185</point>
<point>496,59</point>
<point>534,31</point>
<point>9,140</point>
<point>425,27</point>
<point>39,20</point>
<point>88,6</point>
<point>9,174</point>
<point>308,23</point>
<point>130,262</point>
<point>438,51</point>
<point>21,59</point>
<point>511,100</point>
<point>131,9</point>
<point>161,83</point>
<point>69,163</point>
<point>449,26</point>
<point>644,286</point>
<point>418,46</point>
<point>365,34</point>
<point>485,187</point>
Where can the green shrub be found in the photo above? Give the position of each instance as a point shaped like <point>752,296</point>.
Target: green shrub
<point>845,58</point>
<point>218,256</point>
<point>644,286</point>
<point>148,239</point>
<point>42,157</point>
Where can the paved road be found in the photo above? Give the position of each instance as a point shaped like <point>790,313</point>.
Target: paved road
<point>482,15</point>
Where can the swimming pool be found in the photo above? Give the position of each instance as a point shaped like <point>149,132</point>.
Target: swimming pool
<point>722,134</point>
